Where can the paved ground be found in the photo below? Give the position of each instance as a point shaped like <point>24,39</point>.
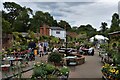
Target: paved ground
<point>28,73</point>
<point>38,59</point>
<point>0,75</point>
<point>90,69</point>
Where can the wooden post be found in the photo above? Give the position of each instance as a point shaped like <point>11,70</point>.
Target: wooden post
<point>0,33</point>
<point>0,41</point>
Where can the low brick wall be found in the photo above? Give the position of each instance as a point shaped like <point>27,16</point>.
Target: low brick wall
<point>80,60</point>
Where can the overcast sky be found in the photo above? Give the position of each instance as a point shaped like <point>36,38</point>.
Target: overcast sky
<point>75,12</point>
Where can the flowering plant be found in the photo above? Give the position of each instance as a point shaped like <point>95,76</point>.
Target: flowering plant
<point>111,72</point>
<point>44,70</point>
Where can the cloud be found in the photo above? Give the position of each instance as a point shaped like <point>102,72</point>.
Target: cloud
<point>49,0</point>
<point>76,12</point>
<point>60,0</point>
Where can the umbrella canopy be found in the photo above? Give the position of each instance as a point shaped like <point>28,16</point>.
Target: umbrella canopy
<point>98,37</point>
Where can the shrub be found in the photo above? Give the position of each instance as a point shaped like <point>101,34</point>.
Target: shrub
<point>50,68</point>
<point>43,70</point>
<point>54,57</point>
<point>64,70</point>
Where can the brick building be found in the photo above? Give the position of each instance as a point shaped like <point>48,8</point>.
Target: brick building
<point>44,30</point>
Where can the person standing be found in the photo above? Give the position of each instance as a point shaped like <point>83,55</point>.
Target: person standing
<point>91,51</point>
<point>45,45</point>
<point>55,49</point>
<point>41,50</point>
<point>35,52</point>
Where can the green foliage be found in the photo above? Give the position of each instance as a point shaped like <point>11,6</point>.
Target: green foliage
<point>103,27</point>
<point>17,16</point>
<point>50,68</point>
<point>31,34</point>
<point>39,70</point>
<point>48,71</point>
<point>88,29</point>
<point>16,36</point>
<point>21,24</point>
<point>64,25</point>
<point>45,37</point>
<point>55,57</point>
<point>6,26</point>
<point>114,45</point>
<point>111,72</point>
<point>116,57</point>
<point>103,46</point>
<point>41,18</point>
<point>115,23</point>
<point>64,70</point>
<point>24,47</point>
<point>54,39</point>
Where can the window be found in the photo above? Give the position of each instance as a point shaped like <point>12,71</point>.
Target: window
<point>57,32</point>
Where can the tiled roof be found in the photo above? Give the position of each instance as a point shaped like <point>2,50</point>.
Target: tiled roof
<point>56,28</point>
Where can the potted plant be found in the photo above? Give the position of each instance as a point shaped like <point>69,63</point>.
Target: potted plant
<point>49,71</point>
<point>55,58</point>
<point>50,68</point>
<point>64,71</point>
<point>52,77</point>
<point>39,71</point>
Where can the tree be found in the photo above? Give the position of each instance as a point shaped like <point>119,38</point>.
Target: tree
<point>103,27</point>
<point>13,11</point>
<point>64,25</point>
<point>115,23</point>
<point>41,18</point>
<point>22,21</point>
<point>6,26</point>
<point>18,16</point>
<point>88,29</point>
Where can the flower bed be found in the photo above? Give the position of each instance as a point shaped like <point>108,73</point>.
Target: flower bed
<point>44,70</point>
<point>111,72</point>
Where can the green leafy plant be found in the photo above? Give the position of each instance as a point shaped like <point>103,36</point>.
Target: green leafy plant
<point>64,70</point>
<point>50,68</point>
<point>39,70</point>
<point>23,47</point>
<point>55,57</point>
<point>48,71</point>
<point>0,52</point>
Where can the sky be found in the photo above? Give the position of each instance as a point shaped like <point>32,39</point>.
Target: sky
<point>75,12</point>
